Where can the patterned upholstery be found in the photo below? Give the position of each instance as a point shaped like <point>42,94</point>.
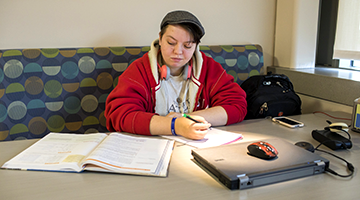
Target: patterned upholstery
<point>64,90</point>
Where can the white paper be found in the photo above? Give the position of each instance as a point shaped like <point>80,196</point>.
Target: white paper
<point>214,137</point>
<point>122,153</point>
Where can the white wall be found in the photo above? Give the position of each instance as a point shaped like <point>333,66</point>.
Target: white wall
<point>91,23</point>
<point>94,23</point>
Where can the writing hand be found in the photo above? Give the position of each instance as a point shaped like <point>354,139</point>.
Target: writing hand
<point>190,129</point>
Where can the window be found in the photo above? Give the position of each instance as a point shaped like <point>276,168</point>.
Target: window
<point>339,34</point>
<point>347,37</point>
<point>349,64</point>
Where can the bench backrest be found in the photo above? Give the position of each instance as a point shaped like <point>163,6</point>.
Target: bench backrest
<point>64,90</point>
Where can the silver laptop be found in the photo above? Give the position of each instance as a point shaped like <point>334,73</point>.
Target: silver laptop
<point>236,169</point>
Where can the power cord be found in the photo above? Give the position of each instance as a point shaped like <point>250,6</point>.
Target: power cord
<point>350,166</point>
<point>340,118</point>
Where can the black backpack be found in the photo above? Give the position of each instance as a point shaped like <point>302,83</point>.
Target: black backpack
<point>270,95</point>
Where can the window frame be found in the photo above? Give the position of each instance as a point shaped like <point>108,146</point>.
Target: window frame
<point>328,10</point>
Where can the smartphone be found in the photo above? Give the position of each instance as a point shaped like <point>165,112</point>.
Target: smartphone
<point>288,122</point>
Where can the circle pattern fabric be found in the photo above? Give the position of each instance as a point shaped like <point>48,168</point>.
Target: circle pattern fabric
<point>64,90</point>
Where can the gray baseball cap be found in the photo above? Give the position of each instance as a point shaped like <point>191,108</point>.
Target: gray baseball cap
<point>181,16</point>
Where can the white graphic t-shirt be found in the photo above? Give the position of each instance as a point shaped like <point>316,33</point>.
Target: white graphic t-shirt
<point>172,96</point>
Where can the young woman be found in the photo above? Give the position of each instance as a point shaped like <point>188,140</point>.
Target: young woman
<point>174,78</point>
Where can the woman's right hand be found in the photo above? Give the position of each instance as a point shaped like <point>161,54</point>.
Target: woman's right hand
<point>190,129</point>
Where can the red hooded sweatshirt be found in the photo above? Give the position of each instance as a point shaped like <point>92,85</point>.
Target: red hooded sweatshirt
<point>130,106</point>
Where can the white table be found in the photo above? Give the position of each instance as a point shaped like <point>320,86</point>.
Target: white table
<point>186,180</point>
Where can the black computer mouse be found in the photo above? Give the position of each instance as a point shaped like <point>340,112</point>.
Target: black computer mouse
<point>306,145</point>
<point>262,150</point>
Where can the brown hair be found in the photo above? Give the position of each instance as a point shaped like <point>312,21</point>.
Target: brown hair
<point>191,28</point>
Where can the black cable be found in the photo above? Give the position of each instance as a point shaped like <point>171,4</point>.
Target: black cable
<point>350,166</point>
<point>347,133</point>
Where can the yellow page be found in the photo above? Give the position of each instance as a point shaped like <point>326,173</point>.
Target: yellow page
<point>56,152</point>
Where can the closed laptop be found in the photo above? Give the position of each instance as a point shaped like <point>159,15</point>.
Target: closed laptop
<point>236,169</point>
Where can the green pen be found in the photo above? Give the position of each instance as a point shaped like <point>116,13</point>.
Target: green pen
<point>194,120</point>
